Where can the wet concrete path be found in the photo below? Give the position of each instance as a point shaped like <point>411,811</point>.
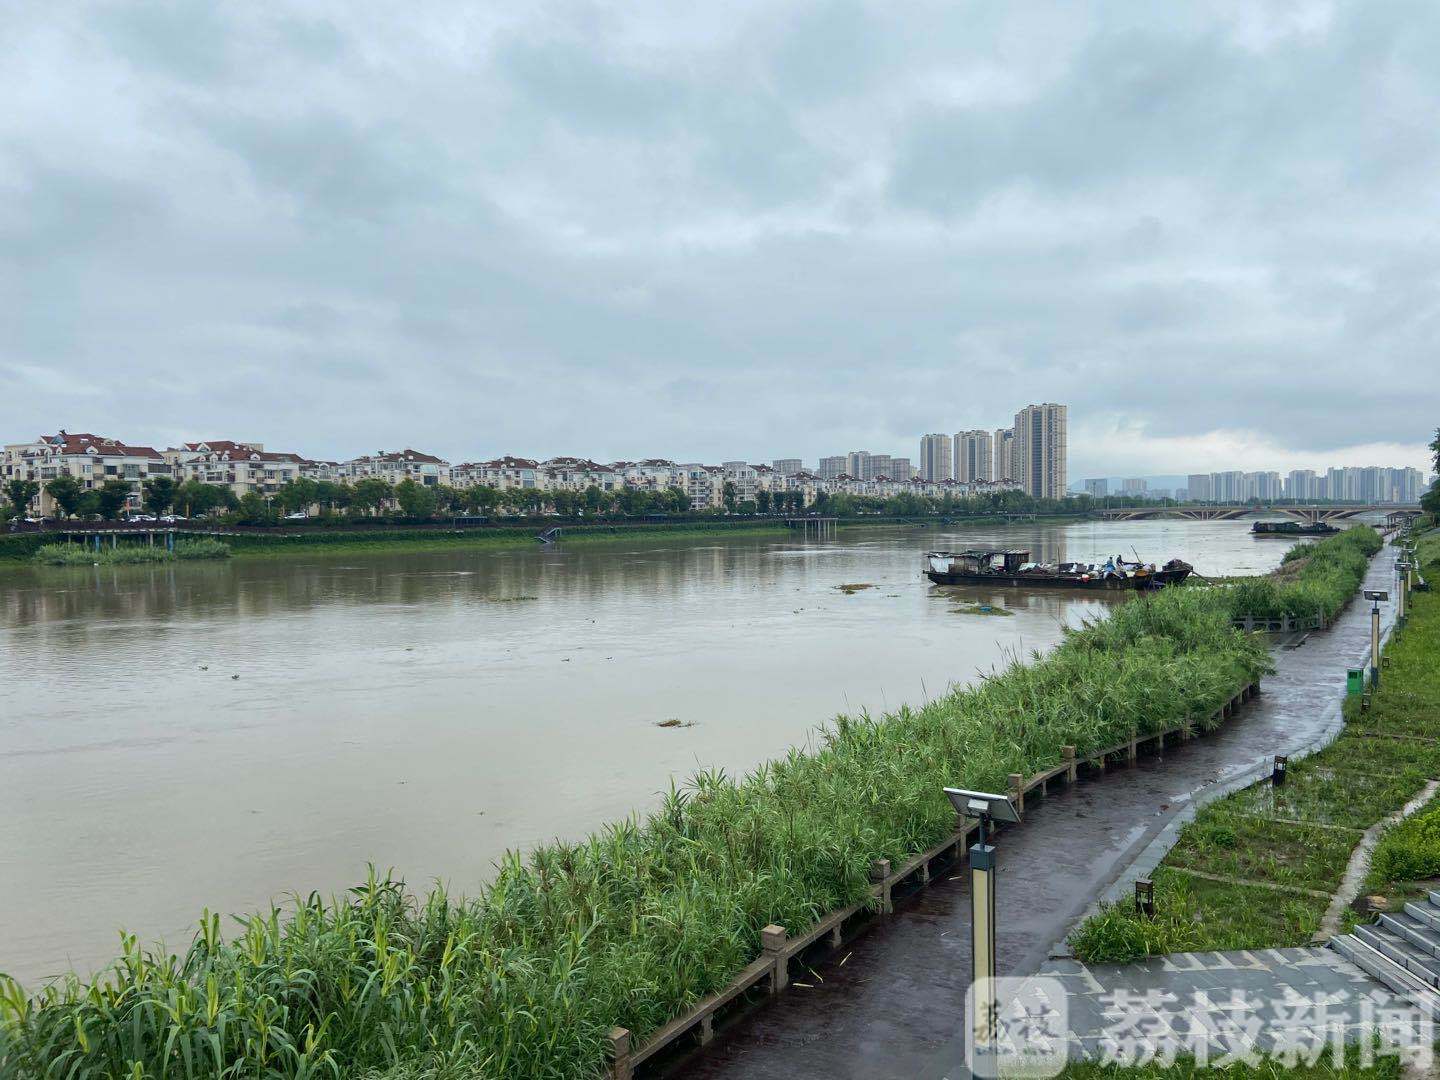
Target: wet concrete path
<point>893,1009</point>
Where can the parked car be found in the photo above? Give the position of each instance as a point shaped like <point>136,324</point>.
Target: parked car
<point>299,515</point>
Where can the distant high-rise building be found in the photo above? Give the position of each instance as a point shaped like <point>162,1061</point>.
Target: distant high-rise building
<point>973,451</point>
<point>1134,486</point>
<point>1300,485</point>
<point>876,466</point>
<point>1099,488</point>
<point>1340,486</point>
<point>1042,449</point>
<point>857,463</point>
<point>901,469</point>
<point>787,466</point>
<point>1261,485</point>
<point>1227,487</point>
<point>1199,487</point>
<point>935,461</point>
<point>831,467</point>
<point>1002,453</point>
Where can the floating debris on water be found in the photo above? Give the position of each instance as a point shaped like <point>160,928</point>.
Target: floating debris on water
<point>980,609</point>
<point>673,722</point>
<point>852,589</point>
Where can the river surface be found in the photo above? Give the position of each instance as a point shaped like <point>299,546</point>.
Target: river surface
<point>222,734</point>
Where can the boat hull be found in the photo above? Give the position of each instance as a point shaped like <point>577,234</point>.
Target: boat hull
<point>1169,575</point>
<point>1038,581</point>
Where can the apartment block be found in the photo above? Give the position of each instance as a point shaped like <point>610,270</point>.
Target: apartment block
<point>936,462</point>
<point>1042,449</point>
<point>1002,454</point>
<point>397,465</point>
<point>973,456</point>
<point>90,459</point>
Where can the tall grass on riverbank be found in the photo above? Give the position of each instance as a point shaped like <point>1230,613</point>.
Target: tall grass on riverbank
<point>1314,579</point>
<point>81,555</point>
<point>635,924</point>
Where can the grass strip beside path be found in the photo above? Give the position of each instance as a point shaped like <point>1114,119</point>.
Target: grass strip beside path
<point>1359,779</point>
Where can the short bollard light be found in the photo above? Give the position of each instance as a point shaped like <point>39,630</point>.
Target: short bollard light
<point>1277,775</point>
<point>1145,898</point>
<point>1375,596</point>
<point>986,809</point>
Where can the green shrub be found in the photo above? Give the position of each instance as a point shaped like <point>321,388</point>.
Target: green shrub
<point>1410,850</point>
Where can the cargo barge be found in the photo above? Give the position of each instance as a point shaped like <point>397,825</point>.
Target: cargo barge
<point>1292,528</point>
<point>1013,568</point>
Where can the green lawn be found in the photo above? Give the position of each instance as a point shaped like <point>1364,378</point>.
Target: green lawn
<point>1301,835</point>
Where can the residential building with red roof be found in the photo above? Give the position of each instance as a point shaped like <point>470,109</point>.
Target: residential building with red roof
<point>91,459</point>
<point>398,465</point>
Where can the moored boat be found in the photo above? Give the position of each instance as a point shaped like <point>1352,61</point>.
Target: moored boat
<point>1013,568</point>
<point>1292,528</point>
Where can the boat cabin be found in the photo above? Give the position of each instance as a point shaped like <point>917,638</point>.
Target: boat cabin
<point>979,561</point>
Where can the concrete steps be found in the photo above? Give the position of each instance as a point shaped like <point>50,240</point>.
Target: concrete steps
<point>1402,951</point>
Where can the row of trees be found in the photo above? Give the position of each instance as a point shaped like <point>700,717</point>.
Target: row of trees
<point>373,497</point>
<point>1430,501</point>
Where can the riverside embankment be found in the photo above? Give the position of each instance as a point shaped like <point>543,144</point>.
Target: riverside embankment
<point>341,536</point>
<point>1176,653</point>
<point>891,1004</point>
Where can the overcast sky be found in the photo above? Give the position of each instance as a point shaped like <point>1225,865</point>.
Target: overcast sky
<point>717,231</point>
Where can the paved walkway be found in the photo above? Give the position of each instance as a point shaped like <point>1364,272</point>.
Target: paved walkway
<point>890,1005</point>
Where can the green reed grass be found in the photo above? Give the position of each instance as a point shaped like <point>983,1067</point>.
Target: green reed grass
<point>81,555</point>
<point>639,921</point>
<point>1330,572</point>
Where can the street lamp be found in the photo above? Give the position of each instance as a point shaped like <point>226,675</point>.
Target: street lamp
<point>1375,596</point>
<point>986,809</point>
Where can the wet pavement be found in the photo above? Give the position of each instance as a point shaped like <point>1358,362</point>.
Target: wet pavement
<point>889,1004</point>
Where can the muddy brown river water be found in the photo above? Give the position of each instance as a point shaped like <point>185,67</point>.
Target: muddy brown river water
<point>217,735</point>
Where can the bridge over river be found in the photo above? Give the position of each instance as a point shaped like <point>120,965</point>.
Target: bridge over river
<point>1395,513</point>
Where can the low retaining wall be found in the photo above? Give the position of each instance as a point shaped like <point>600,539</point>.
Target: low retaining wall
<point>772,967</point>
<point>1286,624</point>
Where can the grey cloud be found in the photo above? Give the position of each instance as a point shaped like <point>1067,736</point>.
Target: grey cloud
<point>796,229</point>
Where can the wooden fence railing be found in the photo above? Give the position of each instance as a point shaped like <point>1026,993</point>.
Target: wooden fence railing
<point>778,948</point>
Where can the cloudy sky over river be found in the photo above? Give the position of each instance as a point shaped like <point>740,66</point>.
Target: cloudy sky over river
<point>720,231</point>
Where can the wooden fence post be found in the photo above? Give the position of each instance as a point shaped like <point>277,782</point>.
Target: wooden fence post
<point>772,940</point>
<point>620,1054</point>
<point>1017,791</point>
<point>1071,770</point>
<point>880,872</point>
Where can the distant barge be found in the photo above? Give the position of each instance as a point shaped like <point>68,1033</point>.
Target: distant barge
<point>1292,528</point>
<point>1013,569</point>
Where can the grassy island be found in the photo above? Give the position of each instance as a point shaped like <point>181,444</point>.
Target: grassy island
<point>81,555</point>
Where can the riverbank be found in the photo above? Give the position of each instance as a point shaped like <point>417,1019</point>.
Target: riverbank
<point>673,907</point>
<point>1259,869</point>
<point>261,542</point>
